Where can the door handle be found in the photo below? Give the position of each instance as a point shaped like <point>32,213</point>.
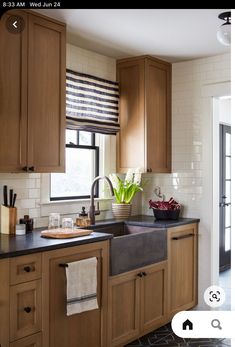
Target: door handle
<point>223,204</point>
<point>182,237</point>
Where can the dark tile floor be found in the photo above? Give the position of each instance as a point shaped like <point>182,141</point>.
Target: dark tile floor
<point>165,337</point>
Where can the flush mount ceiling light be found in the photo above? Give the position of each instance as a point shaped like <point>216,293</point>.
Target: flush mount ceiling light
<point>224,31</point>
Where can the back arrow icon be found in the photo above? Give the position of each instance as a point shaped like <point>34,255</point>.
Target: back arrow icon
<point>14,24</point>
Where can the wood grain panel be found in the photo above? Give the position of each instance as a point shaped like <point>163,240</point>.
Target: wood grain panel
<point>183,263</point>
<point>158,108</point>
<point>84,329</point>
<point>23,297</point>
<point>131,149</point>
<point>4,303</point>
<point>25,268</point>
<point>13,90</point>
<point>46,95</point>
<point>124,306</point>
<point>154,297</point>
<point>29,341</point>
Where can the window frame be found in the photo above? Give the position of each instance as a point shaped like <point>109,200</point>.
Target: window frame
<point>97,165</point>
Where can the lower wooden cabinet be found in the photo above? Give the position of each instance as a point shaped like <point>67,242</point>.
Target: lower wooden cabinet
<point>137,303</point>
<point>25,309</point>
<point>29,341</point>
<point>4,302</point>
<point>182,267</point>
<point>86,329</point>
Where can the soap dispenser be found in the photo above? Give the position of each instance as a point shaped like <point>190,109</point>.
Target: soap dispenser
<point>82,220</point>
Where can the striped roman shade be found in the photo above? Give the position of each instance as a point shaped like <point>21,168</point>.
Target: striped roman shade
<point>91,103</point>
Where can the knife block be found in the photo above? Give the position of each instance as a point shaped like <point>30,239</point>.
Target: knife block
<point>8,220</point>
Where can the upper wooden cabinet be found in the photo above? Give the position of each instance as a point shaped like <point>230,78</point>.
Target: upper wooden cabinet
<point>32,95</point>
<point>145,114</point>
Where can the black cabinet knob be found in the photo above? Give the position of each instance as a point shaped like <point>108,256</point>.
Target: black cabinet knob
<point>140,274</point>
<point>27,269</point>
<point>27,309</point>
<point>31,168</point>
<point>25,168</point>
<point>144,273</point>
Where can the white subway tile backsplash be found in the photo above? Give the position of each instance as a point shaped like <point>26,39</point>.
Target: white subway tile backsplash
<point>34,193</point>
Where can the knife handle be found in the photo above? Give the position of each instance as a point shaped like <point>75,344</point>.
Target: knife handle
<point>11,198</point>
<point>14,200</point>
<point>5,195</point>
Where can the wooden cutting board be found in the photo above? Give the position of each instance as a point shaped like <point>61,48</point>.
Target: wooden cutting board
<point>64,233</point>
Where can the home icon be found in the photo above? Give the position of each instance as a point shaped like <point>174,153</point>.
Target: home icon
<point>187,325</point>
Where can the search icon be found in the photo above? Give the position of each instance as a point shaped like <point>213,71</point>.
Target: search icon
<point>215,323</point>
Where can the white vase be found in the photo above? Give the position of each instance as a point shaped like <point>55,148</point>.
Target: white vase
<point>121,211</point>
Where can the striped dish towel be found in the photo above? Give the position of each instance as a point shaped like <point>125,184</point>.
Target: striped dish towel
<point>81,286</point>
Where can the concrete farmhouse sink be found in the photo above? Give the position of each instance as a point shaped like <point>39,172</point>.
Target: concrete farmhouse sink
<point>134,246</point>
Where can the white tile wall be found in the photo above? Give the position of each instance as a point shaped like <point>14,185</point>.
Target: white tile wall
<point>27,186</point>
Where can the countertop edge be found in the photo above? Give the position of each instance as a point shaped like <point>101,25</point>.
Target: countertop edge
<point>66,244</point>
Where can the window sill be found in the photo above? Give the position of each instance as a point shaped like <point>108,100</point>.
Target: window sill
<point>77,201</point>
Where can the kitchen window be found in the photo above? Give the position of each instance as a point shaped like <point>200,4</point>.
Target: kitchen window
<point>82,166</point>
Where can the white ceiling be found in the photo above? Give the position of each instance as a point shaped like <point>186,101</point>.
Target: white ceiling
<point>171,34</point>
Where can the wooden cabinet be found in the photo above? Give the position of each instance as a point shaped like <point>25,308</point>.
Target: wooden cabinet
<point>32,94</point>
<point>124,308</point>
<point>21,301</point>
<point>29,341</point>
<point>25,309</point>
<point>84,329</point>
<point>4,303</point>
<point>182,265</point>
<point>137,303</point>
<point>25,268</point>
<point>145,114</point>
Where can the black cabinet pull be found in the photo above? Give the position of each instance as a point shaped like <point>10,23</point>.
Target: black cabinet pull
<point>27,269</point>
<point>31,168</point>
<point>182,237</point>
<point>27,309</point>
<point>140,274</point>
<point>144,273</point>
<point>25,168</point>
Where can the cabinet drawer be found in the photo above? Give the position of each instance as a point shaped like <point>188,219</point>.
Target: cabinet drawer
<point>25,268</point>
<point>29,341</point>
<point>25,309</point>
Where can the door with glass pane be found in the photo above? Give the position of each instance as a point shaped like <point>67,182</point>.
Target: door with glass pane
<point>225,197</point>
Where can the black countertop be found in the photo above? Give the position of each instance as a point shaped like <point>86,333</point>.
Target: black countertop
<point>11,246</point>
<point>148,221</point>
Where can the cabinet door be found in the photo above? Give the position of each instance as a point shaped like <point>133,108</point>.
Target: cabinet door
<point>158,116</point>
<point>13,89</point>
<point>153,297</point>
<point>83,329</point>
<point>4,303</point>
<point>182,253</point>
<point>131,138</point>
<point>124,306</point>
<point>46,95</point>
<point>25,309</point>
